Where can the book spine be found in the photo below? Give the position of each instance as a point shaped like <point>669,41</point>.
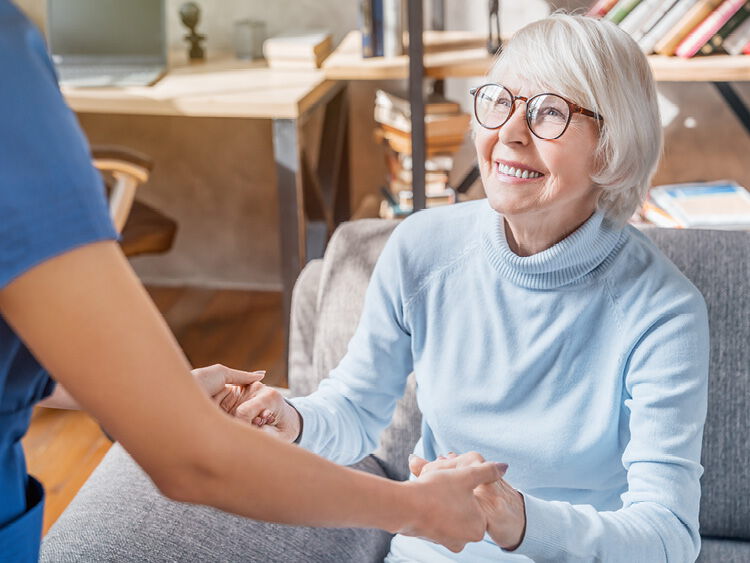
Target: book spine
<point>365,15</point>
<point>708,28</point>
<point>716,43</point>
<point>377,27</point>
<point>621,9</point>
<point>738,38</point>
<point>635,19</point>
<point>600,8</point>
<point>657,13</point>
<point>393,28</point>
<point>662,27</point>
<point>667,44</point>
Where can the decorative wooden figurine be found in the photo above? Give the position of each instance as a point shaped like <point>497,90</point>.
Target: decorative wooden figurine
<point>190,14</point>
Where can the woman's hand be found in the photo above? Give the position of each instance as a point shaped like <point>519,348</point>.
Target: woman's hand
<point>502,504</point>
<point>448,512</point>
<point>266,408</point>
<point>225,385</point>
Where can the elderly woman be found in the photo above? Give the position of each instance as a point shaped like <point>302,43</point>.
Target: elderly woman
<point>543,331</point>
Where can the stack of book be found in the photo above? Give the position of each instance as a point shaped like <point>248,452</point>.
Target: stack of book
<point>445,128</point>
<point>685,28</point>
<point>707,205</point>
<point>306,50</point>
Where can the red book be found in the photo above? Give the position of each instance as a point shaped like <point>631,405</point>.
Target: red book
<point>708,28</point>
<point>746,49</point>
<point>600,8</point>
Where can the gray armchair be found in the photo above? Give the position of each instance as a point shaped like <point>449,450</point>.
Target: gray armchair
<point>119,516</point>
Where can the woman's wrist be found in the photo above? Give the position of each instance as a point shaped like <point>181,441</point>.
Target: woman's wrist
<point>518,524</point>
<point>507,526</point>
<point>300,422</point>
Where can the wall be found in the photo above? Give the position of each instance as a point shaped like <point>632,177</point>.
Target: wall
<point>216,176</point>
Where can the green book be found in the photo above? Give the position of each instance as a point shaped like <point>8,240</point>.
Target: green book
<point>716,43</point>
<point>620,10</point>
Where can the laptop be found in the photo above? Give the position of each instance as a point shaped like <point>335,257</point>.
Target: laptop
<point>97,43</point>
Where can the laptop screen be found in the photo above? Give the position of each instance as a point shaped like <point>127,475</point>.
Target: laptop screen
<point>130,29</point>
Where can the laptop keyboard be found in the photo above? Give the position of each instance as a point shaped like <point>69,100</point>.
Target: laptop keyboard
<point>93,75</point>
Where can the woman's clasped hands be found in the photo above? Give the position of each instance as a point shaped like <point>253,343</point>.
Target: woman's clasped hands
<point>457,498</point>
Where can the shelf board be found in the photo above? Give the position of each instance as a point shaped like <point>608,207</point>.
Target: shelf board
<point>346,62</point>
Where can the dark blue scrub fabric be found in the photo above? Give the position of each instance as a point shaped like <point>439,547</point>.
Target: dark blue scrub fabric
<point>51,201</point>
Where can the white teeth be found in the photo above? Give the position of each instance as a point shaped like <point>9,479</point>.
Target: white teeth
<point>518,172</point>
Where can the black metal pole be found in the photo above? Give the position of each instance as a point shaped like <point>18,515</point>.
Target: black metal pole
<point>416,99</point>
<point>735,103</point>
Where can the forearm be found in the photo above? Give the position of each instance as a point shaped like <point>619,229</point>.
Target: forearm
<point>60,399</point>
<point>562,532</point>
<point>291,485</point>
<point>333,427</point>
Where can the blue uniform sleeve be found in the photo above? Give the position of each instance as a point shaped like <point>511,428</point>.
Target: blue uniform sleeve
<point>51,197</point>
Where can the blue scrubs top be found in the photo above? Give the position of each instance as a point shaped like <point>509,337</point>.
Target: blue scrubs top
<point>51,201</point>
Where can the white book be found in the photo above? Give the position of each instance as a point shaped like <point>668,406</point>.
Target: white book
<point>719,204</point>
<point>637,18</point>
<point>670,19</point>
<point>394,22</point>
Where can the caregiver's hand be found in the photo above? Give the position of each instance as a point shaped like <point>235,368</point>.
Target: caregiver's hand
<point>502,505</point>
<point>453,515</point>
<point>225,385</point>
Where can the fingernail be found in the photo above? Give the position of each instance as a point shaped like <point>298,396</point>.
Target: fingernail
<point>502,467</point>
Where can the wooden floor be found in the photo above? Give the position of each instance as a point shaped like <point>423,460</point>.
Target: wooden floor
<point>241,329</point>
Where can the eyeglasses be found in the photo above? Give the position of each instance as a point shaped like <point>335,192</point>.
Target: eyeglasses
<point>547,115</point>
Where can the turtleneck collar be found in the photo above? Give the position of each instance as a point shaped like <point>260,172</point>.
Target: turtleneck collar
<point>572,260</point>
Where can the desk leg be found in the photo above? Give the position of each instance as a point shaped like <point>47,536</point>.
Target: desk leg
<point>734,101</point>
<point>288,158</point>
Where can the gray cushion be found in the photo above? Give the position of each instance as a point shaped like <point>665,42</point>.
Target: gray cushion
<point>718,263</point>
<point>347,266</point>
<point>716,550</point>
<point>302,329</point>
<point>119,516</point>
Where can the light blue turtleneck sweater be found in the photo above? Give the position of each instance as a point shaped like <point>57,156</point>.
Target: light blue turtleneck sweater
<point>584,367</point>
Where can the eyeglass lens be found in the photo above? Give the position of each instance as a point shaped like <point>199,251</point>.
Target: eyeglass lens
<point>546,114</point>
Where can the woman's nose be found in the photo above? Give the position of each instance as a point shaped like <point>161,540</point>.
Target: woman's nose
<point>515,129</point>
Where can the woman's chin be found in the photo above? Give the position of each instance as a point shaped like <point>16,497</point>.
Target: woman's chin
<point>507,205</point>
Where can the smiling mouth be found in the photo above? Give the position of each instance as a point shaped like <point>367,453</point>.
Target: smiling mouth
<point>517,172</point>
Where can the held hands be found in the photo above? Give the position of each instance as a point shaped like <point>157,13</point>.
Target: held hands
<point>446,506</point>
<point>501,504</point>
<point>242,395</point>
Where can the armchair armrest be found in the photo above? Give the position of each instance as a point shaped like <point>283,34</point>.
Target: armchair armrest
<point>129,169</point>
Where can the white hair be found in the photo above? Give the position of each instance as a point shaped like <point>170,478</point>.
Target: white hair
<point>598,66</point>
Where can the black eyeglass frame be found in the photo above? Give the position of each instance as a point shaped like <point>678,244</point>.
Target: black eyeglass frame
<point>572,107</point>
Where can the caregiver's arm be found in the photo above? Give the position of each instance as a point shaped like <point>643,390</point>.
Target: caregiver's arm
<point>88,320</point>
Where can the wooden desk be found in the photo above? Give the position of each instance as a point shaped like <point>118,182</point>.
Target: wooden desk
<point>313,197</point>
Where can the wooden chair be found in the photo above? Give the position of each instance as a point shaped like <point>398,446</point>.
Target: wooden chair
<point>144,229</point>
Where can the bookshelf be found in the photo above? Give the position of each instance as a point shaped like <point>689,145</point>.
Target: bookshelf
<point>427,59</point>
<point>346,62</point>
